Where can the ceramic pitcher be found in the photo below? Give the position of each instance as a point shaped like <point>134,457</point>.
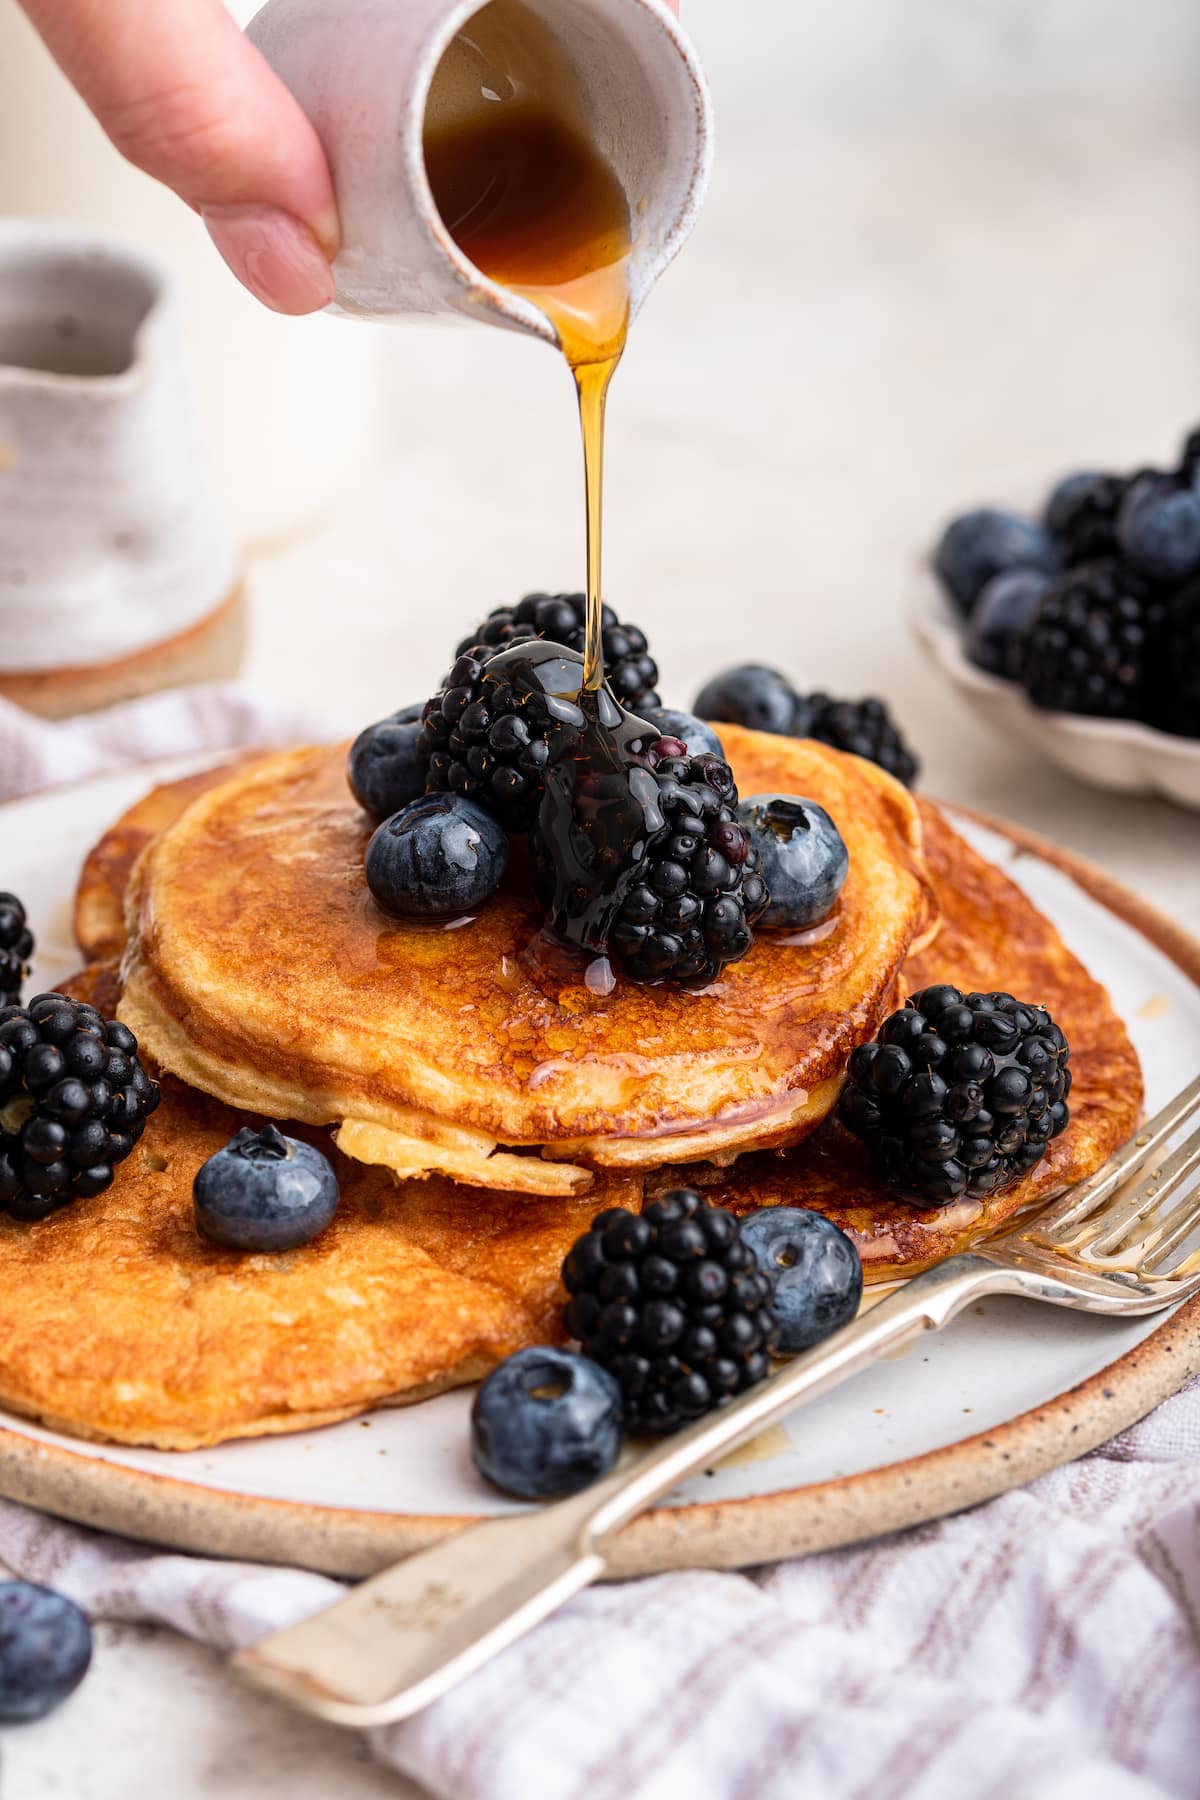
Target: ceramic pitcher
<point>362,71</point>
<point>117,573</point>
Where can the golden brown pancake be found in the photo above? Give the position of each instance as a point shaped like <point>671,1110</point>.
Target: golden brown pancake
<point>120,1322</point>
<point>260,970</point>
<point>992,937</point>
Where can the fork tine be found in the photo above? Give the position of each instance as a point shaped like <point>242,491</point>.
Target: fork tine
<point>1141,1198</point>
<point>1165,1233</point>
<point>1093,1195</point>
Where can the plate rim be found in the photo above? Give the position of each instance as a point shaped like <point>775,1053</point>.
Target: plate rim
<point>177,1513</point>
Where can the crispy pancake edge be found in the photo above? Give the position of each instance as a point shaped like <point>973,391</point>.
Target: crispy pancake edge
<point>99,906</point>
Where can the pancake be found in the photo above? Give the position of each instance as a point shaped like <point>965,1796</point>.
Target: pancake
<point>992,937</point>
<point>260,970</point>
<point>120,1322</point>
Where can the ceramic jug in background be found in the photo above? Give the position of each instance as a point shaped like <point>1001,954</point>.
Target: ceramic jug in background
<point>118,575</point>
<point>362,70</point>
<point>271,393</point>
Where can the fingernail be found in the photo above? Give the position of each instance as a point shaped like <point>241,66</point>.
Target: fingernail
<point>273,255</point>
<point>327,229</point>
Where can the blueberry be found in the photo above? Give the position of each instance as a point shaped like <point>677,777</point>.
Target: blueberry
<point>385,769</point>
<point>45,1649</point>
<point>1001,617</point>
<point>264,1192</point>
<point>804,860</point>
<point>547,1422</point>
<point>815,1268</point>
<point>981,544</point>
<point>1158,528</point>
<point>439,857</point>
<point>1067,495</point>
<point>699,738</point>
<point>749,695</point>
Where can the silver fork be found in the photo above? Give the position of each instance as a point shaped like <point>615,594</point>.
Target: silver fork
<point>403,1638</point>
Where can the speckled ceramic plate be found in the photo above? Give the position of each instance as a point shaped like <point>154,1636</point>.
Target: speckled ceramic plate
<point>1008,1391</point>
<point>1107,753</point>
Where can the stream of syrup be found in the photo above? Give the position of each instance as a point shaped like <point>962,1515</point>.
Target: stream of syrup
<point>531,202</point>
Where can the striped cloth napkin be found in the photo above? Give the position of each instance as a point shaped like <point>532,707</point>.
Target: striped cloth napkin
<point>1045,1646</point>
<point>37,753</point>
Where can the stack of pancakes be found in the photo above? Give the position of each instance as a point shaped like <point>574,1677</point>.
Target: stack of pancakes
<point>484,1101</point>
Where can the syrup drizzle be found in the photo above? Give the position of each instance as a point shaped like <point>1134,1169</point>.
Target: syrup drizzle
<point>529,199</point>
<point>599,804</point>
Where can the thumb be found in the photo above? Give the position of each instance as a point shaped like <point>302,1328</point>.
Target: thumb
<point>187,98</point>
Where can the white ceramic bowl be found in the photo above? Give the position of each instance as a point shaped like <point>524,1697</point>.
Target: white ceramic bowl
<point>1108,753</point>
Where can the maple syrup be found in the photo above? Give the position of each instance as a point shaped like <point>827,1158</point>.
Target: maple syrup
<point>599,807</point>
<point>531,202</point>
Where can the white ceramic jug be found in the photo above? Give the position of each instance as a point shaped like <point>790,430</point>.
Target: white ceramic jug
<point>271,394</point>
<point>362,71</point>
<point>118,574</point>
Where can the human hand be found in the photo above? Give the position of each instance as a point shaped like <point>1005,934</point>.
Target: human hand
<point>187,98</point>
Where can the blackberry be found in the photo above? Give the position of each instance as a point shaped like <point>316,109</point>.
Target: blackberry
<point>629,669</point>
<point>699,886</point>
<point>673,1304</point>
<point>16,948</point>
<point>490,740</point>
<point>1177,697</point>
<point>639,856</point>
<point>864,727</point>
<point>668,721</point>
<point>74,1100</point>
<point>1082,515</point>
<point>996,630</point>
<point>960,1094</point>
<point>1089,648</point>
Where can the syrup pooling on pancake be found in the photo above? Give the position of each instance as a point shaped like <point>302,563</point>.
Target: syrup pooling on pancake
<point>260,969</point>
<point>638,857</point>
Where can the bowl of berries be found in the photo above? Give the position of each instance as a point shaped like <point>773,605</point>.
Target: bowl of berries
<point>1080,628</point>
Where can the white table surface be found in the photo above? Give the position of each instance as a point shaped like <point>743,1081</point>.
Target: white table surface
<point>877,324</point>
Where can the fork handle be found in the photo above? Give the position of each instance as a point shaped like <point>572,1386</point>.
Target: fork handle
<point>409,1634</point>
<point>925,1303</point>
